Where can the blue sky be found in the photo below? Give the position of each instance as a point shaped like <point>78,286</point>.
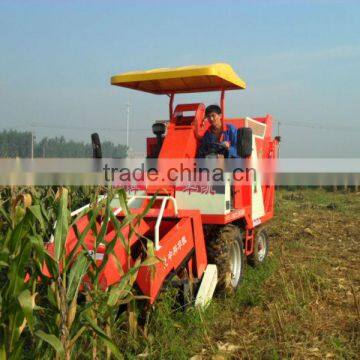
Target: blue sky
<point>300,59</point>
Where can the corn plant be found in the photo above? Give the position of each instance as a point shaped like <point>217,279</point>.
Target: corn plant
<point>44,313</point>
<point>21,228</point>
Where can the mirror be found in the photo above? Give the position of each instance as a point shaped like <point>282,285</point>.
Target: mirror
<point>159,129</point>
<point>96,146</point>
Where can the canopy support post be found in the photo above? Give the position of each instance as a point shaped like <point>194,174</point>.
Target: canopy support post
<point>171,105</point>
<point>222,106</point>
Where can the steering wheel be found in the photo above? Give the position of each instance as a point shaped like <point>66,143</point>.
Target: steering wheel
<point>215,149</point>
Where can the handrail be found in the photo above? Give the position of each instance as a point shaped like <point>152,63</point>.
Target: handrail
<point>161,213</point>
<point>133,197</point>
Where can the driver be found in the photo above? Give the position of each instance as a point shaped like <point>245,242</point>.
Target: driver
<point>216,140</point>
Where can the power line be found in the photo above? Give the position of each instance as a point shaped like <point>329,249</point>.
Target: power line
<point>128,106</point>
<point>320,127</point>
<point>77,128</point>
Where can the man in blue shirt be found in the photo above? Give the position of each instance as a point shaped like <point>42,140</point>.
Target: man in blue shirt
<point>216,140</point>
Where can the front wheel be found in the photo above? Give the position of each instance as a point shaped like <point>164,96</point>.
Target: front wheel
<point>261,248</point>
<point>225,249</point>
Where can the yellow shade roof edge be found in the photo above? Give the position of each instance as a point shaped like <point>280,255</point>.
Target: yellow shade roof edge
<point>220,70</point>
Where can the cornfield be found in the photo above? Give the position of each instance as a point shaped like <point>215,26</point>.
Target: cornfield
<point>60,316</point>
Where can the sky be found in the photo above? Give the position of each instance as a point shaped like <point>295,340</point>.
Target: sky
<point>300,59</point>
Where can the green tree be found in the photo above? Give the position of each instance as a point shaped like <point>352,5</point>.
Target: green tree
<point>15,143</point>
<point>18,144</point>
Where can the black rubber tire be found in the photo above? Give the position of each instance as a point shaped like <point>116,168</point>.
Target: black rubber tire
<point>254,259</point>
<point>221,242</point>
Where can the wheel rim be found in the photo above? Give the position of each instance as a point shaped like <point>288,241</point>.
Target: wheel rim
<point>236,266</point>
<point>262,247</point>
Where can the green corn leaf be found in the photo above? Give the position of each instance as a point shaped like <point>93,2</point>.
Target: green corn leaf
<point>147,208</point>
<point>20,231</point>
<point>105,221</point>
<point>150,248</point>
<point>51,265</point>
<point>37,244</point>
<point>80,215</point>
<point>16,272</point>
<point>2,352</point>
<point>5,215</point>
<point>27,303</point>
<point>44,212</point>
<point>123,288</point>
<point>118,293</point>
<point>123,201</point>
<point>81,238</point>
<point>150,261</point>
<point>109,249</point>
<point>77,272</point>
<point>51,296</point>
<point>119,226</point>
<point>18,352</point>
<point>104,338</point>
<point>134,274</point>
<point>16,319</point>
<point>125,282</point>
<point>52,340</point>
<point>4,257</point>
<point>77,335</point>
<point>62,226</point>
<point>36,211</point>
<point>19,213</point>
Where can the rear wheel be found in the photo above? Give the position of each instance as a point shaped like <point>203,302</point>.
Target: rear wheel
<point>261,248</point>
<point>225,249</point>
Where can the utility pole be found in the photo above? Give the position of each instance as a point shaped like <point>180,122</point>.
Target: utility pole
<point>32,140</point>
<point>278,149</point>
<point>128,106</point>
<point>32,144</point>
<point>278,134</point>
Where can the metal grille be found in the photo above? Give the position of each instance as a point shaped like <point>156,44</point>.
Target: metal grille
<point>257,127</point>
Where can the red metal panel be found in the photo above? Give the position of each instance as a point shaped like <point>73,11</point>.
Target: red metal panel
<point>175,246</point>
<point>200,248</point>
<point>224,219</point>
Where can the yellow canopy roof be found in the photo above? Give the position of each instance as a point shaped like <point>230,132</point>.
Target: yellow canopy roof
<point>184,79</point>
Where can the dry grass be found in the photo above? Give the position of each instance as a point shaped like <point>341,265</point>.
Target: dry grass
<point>308,301</point>
<point>303,303</point>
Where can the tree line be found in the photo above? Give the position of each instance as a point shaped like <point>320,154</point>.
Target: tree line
<point>15,143</point>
